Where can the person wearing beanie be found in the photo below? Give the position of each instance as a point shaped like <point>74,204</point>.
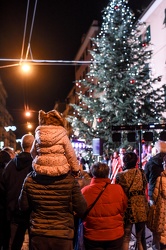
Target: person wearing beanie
<point>52,150</point>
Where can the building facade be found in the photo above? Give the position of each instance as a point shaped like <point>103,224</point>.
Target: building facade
<point>154,33</point>
<point>7,137</point>
<point>81,70</point>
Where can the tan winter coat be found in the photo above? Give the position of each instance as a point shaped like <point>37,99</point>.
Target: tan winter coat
<point>162,204</point>
<point>52,151</point>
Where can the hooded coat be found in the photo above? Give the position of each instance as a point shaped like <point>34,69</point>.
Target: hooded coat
<point>53,152</point>
<point>13,177</point>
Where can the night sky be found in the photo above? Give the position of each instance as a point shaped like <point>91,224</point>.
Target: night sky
<point>56,35</point>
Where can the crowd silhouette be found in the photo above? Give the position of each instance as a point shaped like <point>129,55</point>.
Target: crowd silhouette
<point>46,189</point>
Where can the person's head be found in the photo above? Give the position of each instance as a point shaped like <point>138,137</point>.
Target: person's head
<point>4,158</point>
<point>122,151</point>
<point>129,160</point>
<point>116,154</point>
<point>99,170</point>
<point>160,146</point>
<point>52,117</point>
<point>10,151</point>
<point>26,142</point>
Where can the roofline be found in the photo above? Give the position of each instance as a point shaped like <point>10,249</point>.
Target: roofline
<point>146,12</point>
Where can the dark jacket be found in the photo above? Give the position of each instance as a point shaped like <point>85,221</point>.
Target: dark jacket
<point>52,201</point>
<point>13,177</point>
<point>153,169</point>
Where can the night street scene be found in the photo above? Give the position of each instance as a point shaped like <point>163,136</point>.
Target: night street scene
<point>83,125</point>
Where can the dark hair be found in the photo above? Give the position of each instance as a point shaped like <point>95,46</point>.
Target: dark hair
<point>99,170</point>
<point>130,160</point>
<point>4,158</point>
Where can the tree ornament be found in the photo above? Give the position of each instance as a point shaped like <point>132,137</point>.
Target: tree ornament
<point>99,119</point>
<point>144,44</point>
<point>132,81</point>
<point>116,7</point>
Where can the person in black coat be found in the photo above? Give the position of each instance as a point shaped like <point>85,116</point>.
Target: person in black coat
<point>10,187</point>
<point>154,167</point>
<point>4,159</point>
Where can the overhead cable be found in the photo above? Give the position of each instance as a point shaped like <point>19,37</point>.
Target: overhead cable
<point>25,28</point>
<point>29,41</point>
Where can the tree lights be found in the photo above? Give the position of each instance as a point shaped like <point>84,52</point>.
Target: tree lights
<point>122,86</point>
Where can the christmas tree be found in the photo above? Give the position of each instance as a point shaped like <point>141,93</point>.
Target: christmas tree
<point>119,89</point>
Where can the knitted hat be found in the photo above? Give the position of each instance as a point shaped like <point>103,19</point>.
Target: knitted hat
<point>160,146</point>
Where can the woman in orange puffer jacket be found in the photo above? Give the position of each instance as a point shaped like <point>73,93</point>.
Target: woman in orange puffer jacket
<point>103,226</point>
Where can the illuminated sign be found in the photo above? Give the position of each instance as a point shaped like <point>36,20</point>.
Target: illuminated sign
<point>78,145</point>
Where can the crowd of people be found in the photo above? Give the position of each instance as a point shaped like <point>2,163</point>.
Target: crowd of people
<point>44,190</point>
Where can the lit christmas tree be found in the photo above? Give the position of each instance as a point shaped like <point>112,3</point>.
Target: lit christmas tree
<point>119,84</point>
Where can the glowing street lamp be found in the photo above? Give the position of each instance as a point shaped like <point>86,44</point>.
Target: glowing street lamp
<point>27,113</point>
<point>25,67</point>
<point>29,125</point>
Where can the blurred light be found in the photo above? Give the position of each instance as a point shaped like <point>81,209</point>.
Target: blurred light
<point>12,128</point>
<point>28,113</point>
<point>18,140</point>
<point>25,67</point>
<point>29,125</point>
<point>78,144</point>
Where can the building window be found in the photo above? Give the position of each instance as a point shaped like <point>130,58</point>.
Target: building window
<point>146,71</point>
<point>145,37</point>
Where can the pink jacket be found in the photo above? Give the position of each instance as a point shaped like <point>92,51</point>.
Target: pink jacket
<point>105,220</point>
<point>53,152</point>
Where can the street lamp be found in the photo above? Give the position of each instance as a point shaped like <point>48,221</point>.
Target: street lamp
<point>28,113</point>
<point>29,125</point>
<point>25,67</point>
